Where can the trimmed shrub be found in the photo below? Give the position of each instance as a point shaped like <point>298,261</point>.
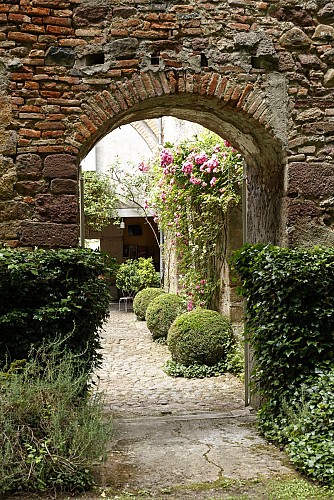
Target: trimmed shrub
<point>143,299</point>
<point>51,437</point>
<point>200,337</point>
<point>52,294</point>
<point>162,311</point>
<point>135,275</point>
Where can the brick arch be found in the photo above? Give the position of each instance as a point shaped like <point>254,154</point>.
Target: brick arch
<point>241,104</point>
<point>239,111</point>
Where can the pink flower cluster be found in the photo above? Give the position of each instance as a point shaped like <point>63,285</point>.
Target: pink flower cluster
<point>166,157</point>
<point>194,180</point>
<point>201,158</point>
<point>142,167</point>
<point>187,167</point>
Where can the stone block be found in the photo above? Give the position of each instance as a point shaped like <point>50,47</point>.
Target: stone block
<point>61,208</point>
<point>329,78</point>
<point>297,209</point>
<point>60,165</point>
<point>5,111</point>
<point>9,230</point>
<point>88,15</point>
<point>326,14</point>
<point>31,188</point>
<point>309,60</point>
<point>28,166</point>
<point>60,56</point>
<point>7,182</point>
<point>295,38</point>
<point>323,32</point>
<point>49,235</point>
<point>64,186</point>
<point>5,164</point>
<point>8,142</point>
<point>311,180</point>
<point>124,47</point>
<point>14,210</point>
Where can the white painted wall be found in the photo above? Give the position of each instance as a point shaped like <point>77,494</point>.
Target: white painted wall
<point>126,144</point>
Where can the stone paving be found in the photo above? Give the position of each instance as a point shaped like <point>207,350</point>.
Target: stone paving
<point>172,433</point>
<point>135,384</point>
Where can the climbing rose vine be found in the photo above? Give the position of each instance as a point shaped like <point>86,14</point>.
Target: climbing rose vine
<point>195,183</point>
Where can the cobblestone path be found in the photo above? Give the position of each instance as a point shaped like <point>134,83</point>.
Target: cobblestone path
<point>135,384</point>
<point>174,432</point>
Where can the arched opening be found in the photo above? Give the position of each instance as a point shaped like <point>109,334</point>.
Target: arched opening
<point>237,112</point>
<point>260,145</point>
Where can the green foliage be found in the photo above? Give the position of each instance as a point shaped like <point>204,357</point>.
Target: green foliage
<point>100,200</point>
<point>162,311</point>
<point>135,275</point>
<point>308,427</point>
<point>50,294</point>
<point>297,489</point>
<point>290,323</point>
<point>195,183</point>
<point>51,437</point>
<point>231,364</point>
<point>143,299</point>
<point>200,337</point>
<point>290,306</point>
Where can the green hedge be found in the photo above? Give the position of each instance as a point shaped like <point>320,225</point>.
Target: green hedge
<point>162,311</point>
<point>143,299</point>
<point>200,336</point>
<point>290,324</point>
<point>290,311</point>
<point>48,295</point>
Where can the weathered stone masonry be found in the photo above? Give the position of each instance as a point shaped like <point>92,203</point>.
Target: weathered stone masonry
<point>259,74</point>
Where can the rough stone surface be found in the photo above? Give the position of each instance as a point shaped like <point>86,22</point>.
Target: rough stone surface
<point>48,235</point>
<point>61,208</point>
<point>295,38</point>
<point>72,71</point>
<point>60,165</point>
<point>311,180</point>
<point>8,141</point>
<point>28,166</point>
<point>329,78</point>
<point>31,188</point>
<point>60,56</point>
<point>63,186</point>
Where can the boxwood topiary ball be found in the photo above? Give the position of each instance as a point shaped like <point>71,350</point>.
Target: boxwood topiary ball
<point>161,313</point>
<point>201,336</point>
<point>142,300</point>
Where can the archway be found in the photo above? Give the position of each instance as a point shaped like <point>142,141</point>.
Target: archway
<point>250,119</point>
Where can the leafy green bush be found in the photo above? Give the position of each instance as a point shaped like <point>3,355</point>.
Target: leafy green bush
<point>100,200</point>
<point>135,275</point>
<point>51,437</point>
<point>290,324</point>
<point>49,294</point>
<point>200,336</point>
<point>310,428</point>
<point>232,364</point>
<point>143,299</point>
<point>162,311</point>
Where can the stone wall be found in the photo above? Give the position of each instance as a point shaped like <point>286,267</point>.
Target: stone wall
<point>258,73</point>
